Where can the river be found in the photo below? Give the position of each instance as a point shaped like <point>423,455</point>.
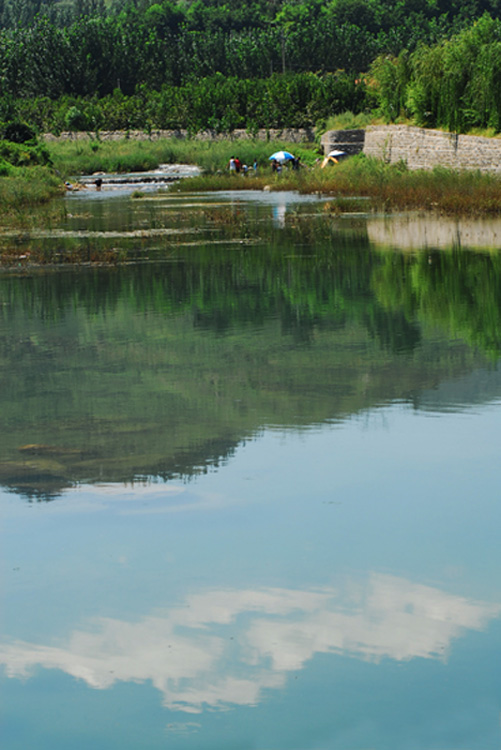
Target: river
<point>249,477</point>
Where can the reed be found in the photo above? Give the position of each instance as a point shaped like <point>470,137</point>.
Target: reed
<point>206,183</point>
<point>72,158</point>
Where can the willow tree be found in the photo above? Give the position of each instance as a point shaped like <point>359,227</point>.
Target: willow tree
<point>389,79</point>
<point>457,84</point>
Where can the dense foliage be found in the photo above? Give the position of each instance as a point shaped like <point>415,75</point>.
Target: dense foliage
<point>222,64</point>
<point>454,85</point>
<point>86,48</point>
<point>218,103</point>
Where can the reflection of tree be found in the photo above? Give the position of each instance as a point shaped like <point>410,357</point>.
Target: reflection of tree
<point>457,291</point>
<point>162,369</point>
<point>394,331</point>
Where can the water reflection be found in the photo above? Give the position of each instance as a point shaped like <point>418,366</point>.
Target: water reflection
<point>223,648</point>
<point>417,233</point>
<point>233,428</point>
<point>162,370</point>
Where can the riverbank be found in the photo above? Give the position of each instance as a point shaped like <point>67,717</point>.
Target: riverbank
<point>77,157</point>
<point>385,187</point>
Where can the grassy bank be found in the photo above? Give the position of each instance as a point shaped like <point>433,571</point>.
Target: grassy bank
<point>86,157</point>
<point>27,187</point>
<point>27,178</point>
<point>388,187</point>
<point>394,187</point>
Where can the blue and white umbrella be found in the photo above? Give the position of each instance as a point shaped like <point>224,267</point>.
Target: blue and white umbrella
<point>282,156</point>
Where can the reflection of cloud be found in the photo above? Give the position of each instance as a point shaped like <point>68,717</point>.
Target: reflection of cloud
<point>130,491</point>
<point>133,491</point>
<point>392,618</point>
<point>142,499</point>
<point>224,647</point>
<point>183,727</point>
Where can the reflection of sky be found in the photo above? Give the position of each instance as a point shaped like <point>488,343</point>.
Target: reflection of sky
<point>279,212</point>
<point>225,647</point>
<point>341,577</point>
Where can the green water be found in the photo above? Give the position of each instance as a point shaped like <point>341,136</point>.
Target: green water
<point>249,482</point>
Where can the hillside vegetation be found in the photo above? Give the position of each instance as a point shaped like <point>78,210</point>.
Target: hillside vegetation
<point>91,65</point>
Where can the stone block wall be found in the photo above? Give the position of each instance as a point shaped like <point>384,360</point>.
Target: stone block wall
<point>425,149</point>
<point>349,141</point>
<point>290,135</point>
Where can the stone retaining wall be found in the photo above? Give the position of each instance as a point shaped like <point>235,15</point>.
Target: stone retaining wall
<point>290,135</point>
<point>425,149</point>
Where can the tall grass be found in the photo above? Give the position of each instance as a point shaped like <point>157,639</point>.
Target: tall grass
<point>86,157</point>
<point>26,187</point>
<point>394,187</point>
<point>209,183</point>
<point>387,187</point>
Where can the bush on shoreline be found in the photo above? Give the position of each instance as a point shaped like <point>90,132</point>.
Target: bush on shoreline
<point>27,178</point>
<point>26,187</point>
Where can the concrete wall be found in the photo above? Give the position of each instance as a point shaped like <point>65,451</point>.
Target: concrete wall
<point>425,149</point>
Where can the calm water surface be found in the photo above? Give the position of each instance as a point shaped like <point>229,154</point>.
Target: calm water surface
<point>249,482</point>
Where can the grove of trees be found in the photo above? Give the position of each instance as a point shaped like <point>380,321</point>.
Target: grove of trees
<point>91,64</point>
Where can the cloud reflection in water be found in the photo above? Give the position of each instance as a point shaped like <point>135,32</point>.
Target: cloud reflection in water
<point>224,647</point>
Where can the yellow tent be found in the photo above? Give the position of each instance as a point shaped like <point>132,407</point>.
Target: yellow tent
<point>331,157</point>
<point>329,160</point>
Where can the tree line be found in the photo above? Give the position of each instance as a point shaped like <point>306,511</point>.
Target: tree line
<point>219,103</point>
<point>151,44</point>
<point>222,64</point>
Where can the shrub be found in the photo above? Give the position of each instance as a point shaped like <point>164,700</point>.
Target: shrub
<point>75,119</point>
<point>18,131</point>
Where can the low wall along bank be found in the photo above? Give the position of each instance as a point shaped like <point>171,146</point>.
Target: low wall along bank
<point>291,135</point>
<point>425,149</point>
<point>419,148</point>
